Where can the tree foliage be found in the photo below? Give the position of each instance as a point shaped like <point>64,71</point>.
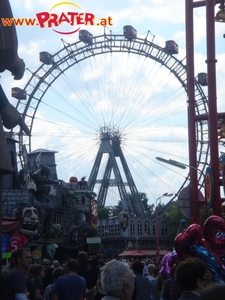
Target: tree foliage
<point>112,211</point>
<point>176,218</point>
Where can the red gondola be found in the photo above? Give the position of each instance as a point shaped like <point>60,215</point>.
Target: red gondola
<point>46,58</point>
<point>129,32</point>
<point>172,47</point>
<point>203,79</point>
<point>19,93</point>
<point>85,36</point>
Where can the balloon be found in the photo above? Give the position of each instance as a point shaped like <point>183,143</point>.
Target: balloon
<point>214,231</point>
<point>211,260</point>
<point>165,269</point>
<point>173,259</point>
<point>191,236</point>
<point>203,243</point>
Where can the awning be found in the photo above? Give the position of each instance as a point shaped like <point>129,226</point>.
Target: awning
<point>142,252</point>
<point>10,225</point>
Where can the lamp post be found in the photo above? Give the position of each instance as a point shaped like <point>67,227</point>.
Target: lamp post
<point>184,166</point>
<point>157,221</point>
<point>178,164</point>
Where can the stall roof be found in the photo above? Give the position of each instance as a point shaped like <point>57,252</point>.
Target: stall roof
<point>142,253</point>
<point>10,225</point>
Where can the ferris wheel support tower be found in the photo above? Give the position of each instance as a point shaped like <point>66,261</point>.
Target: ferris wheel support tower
<point>111,144</point>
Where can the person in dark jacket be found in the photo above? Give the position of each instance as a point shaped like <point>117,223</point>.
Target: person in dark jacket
<point>190,276</point>
<point>91,274</point>
<point>82,259</point>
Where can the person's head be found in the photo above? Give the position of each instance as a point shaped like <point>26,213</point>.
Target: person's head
<point>23,259</point>
<point>117,279</point>
<point>56,264</point>
<point>101,263</point>
<point>190,274</point>
<point>82,257</point>
<point>93,262</point>
<point>155,272</point>
<point>12,260</point>
<point>37,271</point>
<point>137,267</point>
<point>46,264</point>
<point>72,266</point>
<point>151,267</point>
<point>214,291</point>
<point>57,272</point>
<point>208,277</point>
<point>64,267</point>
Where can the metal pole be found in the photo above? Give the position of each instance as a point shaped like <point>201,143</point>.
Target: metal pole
<point>191,111</point>
<point>157,224</point>
<point>0,225</point>
<point>157,229</point>
<point>212,103</point>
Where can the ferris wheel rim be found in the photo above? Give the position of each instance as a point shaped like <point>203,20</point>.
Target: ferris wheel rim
<point>103,44</point>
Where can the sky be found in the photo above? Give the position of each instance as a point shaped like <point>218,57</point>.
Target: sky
<point>125,92</point>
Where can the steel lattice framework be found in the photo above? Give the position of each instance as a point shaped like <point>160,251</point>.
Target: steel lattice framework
<point>73,53</point>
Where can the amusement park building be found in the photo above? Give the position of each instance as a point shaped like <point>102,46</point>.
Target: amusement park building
<point>53,212</point>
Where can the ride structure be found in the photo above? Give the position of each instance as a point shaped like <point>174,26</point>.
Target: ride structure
<point>73,54</point>
<point>111,144</point>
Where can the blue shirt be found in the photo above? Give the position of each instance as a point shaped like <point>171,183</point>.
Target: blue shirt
<point>70,287</point>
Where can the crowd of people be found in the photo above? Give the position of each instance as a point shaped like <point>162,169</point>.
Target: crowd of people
<point>87,278</point>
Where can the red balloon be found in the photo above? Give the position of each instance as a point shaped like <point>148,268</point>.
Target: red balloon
<point>214,231</point>
<point>191,236</point>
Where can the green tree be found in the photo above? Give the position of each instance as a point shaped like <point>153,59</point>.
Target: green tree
<point>176,217</point>
<point>112,211</point>
<point>103,212</point>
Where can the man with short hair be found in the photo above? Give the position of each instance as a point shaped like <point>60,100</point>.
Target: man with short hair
<point>117,280</point>
<point>15,284</point>
<point>142,289</point>
<point>91,274</point>
<point>48,279</point>
<point>190,276</point>
<point>70,286</point>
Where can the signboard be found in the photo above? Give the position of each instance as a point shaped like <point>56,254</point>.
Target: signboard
<point>184,201</point>
<point>94,240</point>
<point>6,255</point>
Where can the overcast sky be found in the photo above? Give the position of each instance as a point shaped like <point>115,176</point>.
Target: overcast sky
<point>135,95</point>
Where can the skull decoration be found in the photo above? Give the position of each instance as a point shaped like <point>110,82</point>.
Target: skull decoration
<point>30,219</point>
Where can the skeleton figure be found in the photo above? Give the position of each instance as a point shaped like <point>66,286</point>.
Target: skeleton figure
<point>56,230</point>
<point>50,250</point>
<point>30,219</point>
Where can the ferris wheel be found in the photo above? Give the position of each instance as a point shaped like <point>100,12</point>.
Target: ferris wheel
<point>116,84</point>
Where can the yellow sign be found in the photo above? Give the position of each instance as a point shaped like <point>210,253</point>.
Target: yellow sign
<point>36,254</point>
